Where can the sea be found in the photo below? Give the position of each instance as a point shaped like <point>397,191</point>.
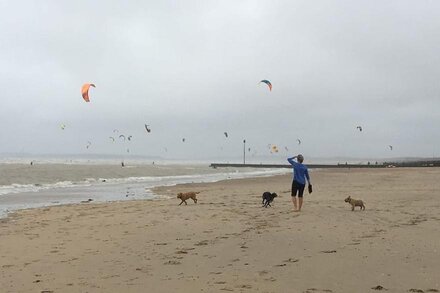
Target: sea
<point>40,182</point>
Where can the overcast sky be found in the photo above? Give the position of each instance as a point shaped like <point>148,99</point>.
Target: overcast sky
<point>191,69</point>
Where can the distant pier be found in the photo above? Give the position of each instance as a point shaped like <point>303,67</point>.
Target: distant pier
<point>435,163</point>
<point>311,166</point>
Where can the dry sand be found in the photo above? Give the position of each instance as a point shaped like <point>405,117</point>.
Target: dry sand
<point>227,242</point>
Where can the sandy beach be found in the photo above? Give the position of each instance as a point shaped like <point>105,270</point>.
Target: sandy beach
<point>229,243</point>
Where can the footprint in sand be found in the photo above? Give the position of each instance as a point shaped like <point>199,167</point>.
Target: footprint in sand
<point>328,251</point>
<point>416,220</point>
<point>416,290</point>
<point>245,286</point>
<point>379,288</point>
<point>203,242</point>
<point>310,290</point>
<point>184,250</point>
<point>172,262</point>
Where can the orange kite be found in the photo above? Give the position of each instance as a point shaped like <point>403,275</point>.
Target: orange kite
<point>85,91</point>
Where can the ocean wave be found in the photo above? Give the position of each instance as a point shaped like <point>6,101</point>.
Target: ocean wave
<point>20,188</point>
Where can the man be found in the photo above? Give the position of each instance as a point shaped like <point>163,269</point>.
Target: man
<point>300,174</point>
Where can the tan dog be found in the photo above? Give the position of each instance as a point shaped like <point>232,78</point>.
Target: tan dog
<point>355,203</point>
<point>187,195</point>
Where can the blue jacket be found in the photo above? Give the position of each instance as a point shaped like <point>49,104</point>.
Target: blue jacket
<point>300,172</point>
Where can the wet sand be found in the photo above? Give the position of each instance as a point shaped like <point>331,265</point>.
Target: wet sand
<point>228,243</point>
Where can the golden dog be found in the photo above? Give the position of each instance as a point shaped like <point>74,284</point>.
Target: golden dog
<point>355,203</point>
<point>187,195</point>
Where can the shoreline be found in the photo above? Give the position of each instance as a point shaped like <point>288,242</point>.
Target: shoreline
<point>161,193</point>
<point>228,242</point>
<point>109,190</point>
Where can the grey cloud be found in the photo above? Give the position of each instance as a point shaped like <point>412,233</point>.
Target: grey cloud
<point>192,69</point>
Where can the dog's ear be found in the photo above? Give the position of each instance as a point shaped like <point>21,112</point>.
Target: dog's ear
<point>274,194</point>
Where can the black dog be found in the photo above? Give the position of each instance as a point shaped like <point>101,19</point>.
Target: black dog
<point>268,198</point>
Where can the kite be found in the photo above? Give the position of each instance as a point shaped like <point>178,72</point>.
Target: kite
<point>130,137</point>
<point>122,136</point>
<point>359,127</point>
<point>183,139</point>
<point>115,131</point>
<point>225,133</point>
<point>249,149</point>
<point>88,144</point>
<point>85,91</point>
<point>274,149</point>
<point>62,126</point>
<point>112,138</point>
<point>299,140</point>
<point>391,147</point>
<point>268,83</point>
<point>147,129</point>
<point>286,149</point>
